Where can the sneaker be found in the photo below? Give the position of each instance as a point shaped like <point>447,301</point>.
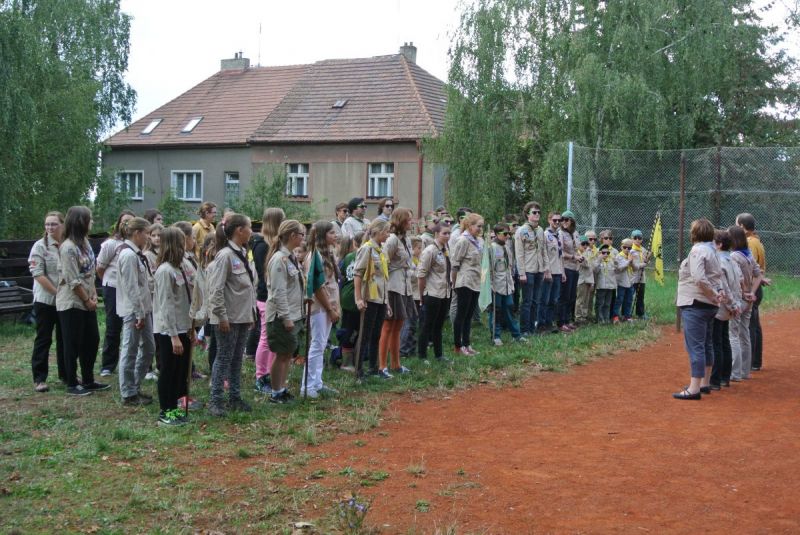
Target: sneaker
<point>174,417</point>
<point>281,397</point>
<point>105,372</point>
<point>262,385</point>
<point>384,374</point>
<point>216,409</point>
<point>402,370</point>
<point>96,387</point>
<point>239,405</point>
<point>564,329</point>
<point>311,394</point>
<point>328,391</point>
<point>498,342</point>
<point>78,390</point>
<point>194,405</point>
<point>472,351</point>
<point>151,376</point>
<point>521,340</point>
<point>458,351</point>
<point>135,401</point>
<point>41,387</point>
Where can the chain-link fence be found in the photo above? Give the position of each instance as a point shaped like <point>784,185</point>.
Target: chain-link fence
<point>622,190</point>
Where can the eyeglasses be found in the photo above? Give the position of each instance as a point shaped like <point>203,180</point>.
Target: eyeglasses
<point>534,212</point>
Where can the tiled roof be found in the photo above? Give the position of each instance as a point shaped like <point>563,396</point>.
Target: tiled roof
<point>388,98</point>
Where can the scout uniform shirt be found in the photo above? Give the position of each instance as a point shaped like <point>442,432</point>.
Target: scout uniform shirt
<point>624,269</point>
<point>76,268</point>
<point>398,253</point>
<point>637,257</point>
<point>605,277</point>
<point>107,259</point>
<point>466,259</point>
<point>502,274</point>
<point>231,289</point>
<point>133,283</point>
<point>371,265</point>
<point>433,267</point>
<point>531,254</point>
<point>171,306</point>
<point>352,225</point>
<point>749,269</point>
<point>699,275</point>
<point>569,246</point>
<point>586,268</point>
<point>284,287</point>
<point>427,239</point>
<point>553,252</point>
<point>43,261</point>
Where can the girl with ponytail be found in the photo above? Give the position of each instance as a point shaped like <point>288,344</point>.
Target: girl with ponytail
<point>323,277</point>
<point>270,222</point>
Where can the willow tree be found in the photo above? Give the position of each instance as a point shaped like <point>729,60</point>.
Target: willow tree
<point>528,75</point>
<point>61,89</point>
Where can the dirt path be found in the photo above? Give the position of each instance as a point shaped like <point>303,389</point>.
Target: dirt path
<point>602,448</point>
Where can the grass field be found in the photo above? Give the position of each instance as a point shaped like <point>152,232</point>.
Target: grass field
<point>91,465</point>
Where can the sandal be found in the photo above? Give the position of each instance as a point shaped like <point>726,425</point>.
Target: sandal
<point>685,394</point>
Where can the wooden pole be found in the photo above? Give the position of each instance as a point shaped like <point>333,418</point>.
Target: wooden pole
<point>681,227</point>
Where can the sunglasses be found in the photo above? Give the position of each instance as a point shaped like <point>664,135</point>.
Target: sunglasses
<point>361,206</point>
<point>584,243</point>
<point>637,237</point>
<point>447,222</point>
<point>608,237</point>
<point>502,233</point>
<point>388,206</point>
<point>604,252</point>
<point>592,239</point>
<point>625,247</point>
<point>554,220</point>
<point>534,212</point>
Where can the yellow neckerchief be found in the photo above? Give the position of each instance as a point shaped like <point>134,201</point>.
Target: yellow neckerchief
<point>415,260</point>
<point>372,285</point>
<point>626,257</point>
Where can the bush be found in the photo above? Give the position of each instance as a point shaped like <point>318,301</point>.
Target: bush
<point>270,192</point>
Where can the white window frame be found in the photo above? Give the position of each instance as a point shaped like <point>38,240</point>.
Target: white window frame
<point>229,180</point>
<point>192,124</point>
<point>294,179</point>
<point>374,178</point>
<point>151,126</point>
<point>135,193</point>
<point>198,196</point>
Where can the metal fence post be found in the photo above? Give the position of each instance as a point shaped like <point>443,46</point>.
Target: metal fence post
<point>718,189</point>
<point>569,176</point>
<point>681,227</point>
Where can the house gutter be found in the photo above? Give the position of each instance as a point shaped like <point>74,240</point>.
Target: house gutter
<point>419,180</point>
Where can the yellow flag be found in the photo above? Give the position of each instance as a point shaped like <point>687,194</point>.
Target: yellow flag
<point>656,250</point>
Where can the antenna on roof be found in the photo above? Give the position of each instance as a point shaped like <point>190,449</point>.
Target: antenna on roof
<point>259,44</point>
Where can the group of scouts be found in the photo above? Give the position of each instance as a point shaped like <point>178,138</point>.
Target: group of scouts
<point>384,288</point>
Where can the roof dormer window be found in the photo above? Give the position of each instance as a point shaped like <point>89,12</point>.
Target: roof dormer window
<point>194,121</point>
<point>152,126</point>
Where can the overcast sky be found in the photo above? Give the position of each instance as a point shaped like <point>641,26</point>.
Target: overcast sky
<point>175,44</point>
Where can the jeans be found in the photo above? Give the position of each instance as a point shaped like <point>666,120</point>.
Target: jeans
<point>81,340</point>
<point>228,364</point>
<point>530,301</point>
<point>370,335</point>
<point>503,305</point>
<point>264,356</point>
<point>46,320</point>
<point>174,373</point>
<point>134,364</point>
<point>467,301</point>
<point>566,302</point>
<point>639,306</point>
<point>436,310</point>
<point>551,302</point>
<point>722,353</point>
<point>623,302</point>
<point>320,330</point>
<point>113,330</point>
<point>697,336</point>
<point>603,303</point>
<point>740,345</point>
<point>756,337</point>
<point>541,299</point>
<point>408,336</point>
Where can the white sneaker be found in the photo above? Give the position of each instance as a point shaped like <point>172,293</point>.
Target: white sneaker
<point>521,340</point>
<point>151,376</point>
<point>498,342</point>
<point>105,373</point>
<point>313,394</point>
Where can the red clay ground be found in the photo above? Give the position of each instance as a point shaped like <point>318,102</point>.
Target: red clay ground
<point>601,448</point>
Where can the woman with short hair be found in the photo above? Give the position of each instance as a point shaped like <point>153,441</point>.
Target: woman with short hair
<point>699,296</point>
<point>204,225</point>
<point>385,208</point>
<point>741,348</point>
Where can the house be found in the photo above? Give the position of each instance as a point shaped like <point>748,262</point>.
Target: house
<point>338,129</point>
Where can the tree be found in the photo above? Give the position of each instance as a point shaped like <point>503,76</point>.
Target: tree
<point>267,191</point>
<point>61,89</point>
<point>528,75</point>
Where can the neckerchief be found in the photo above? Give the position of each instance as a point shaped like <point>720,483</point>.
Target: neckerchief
<point>474,241</point>
<point>369,274</point>
<point>746,252</point>
<point>555,233</point>
<point>533,231</point>
<point>626,257</point>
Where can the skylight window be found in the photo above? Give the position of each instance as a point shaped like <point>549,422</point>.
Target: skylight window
<point>339,103</point>
<point>152,126</point>
<point>191,124</point>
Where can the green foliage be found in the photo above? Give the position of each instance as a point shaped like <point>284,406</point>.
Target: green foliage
<point>110,199</point>
<point>61,88</point>
<point>269,191</point>
<point>528,75</point>
<point>173,209</point>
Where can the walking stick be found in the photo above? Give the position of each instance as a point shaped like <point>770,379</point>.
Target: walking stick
<point>308,347</point>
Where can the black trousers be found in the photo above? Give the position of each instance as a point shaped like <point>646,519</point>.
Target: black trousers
<point>467,303</point>
<point>723,358</point>
<point>172,379</point>
<point>371,335</point>
<point>638,307</point>
<point>81,340</point>
<point>436,310</point>
<point>46,320</point>
<point>756,336</point>
<point>113,330</point>
<point>211,340</point>
<point>253,335</point>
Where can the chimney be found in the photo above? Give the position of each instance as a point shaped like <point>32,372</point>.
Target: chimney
<point>409,51</point>
<point>238,63</point>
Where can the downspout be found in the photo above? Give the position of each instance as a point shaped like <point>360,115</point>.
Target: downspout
<point>419,180</point>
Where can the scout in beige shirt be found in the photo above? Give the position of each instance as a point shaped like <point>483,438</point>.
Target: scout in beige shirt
<point>433,273</point>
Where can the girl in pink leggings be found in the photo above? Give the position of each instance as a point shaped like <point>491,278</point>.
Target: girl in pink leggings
<point>271,220</point>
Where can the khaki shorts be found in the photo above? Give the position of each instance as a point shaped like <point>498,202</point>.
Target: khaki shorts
<point>282,341</point>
